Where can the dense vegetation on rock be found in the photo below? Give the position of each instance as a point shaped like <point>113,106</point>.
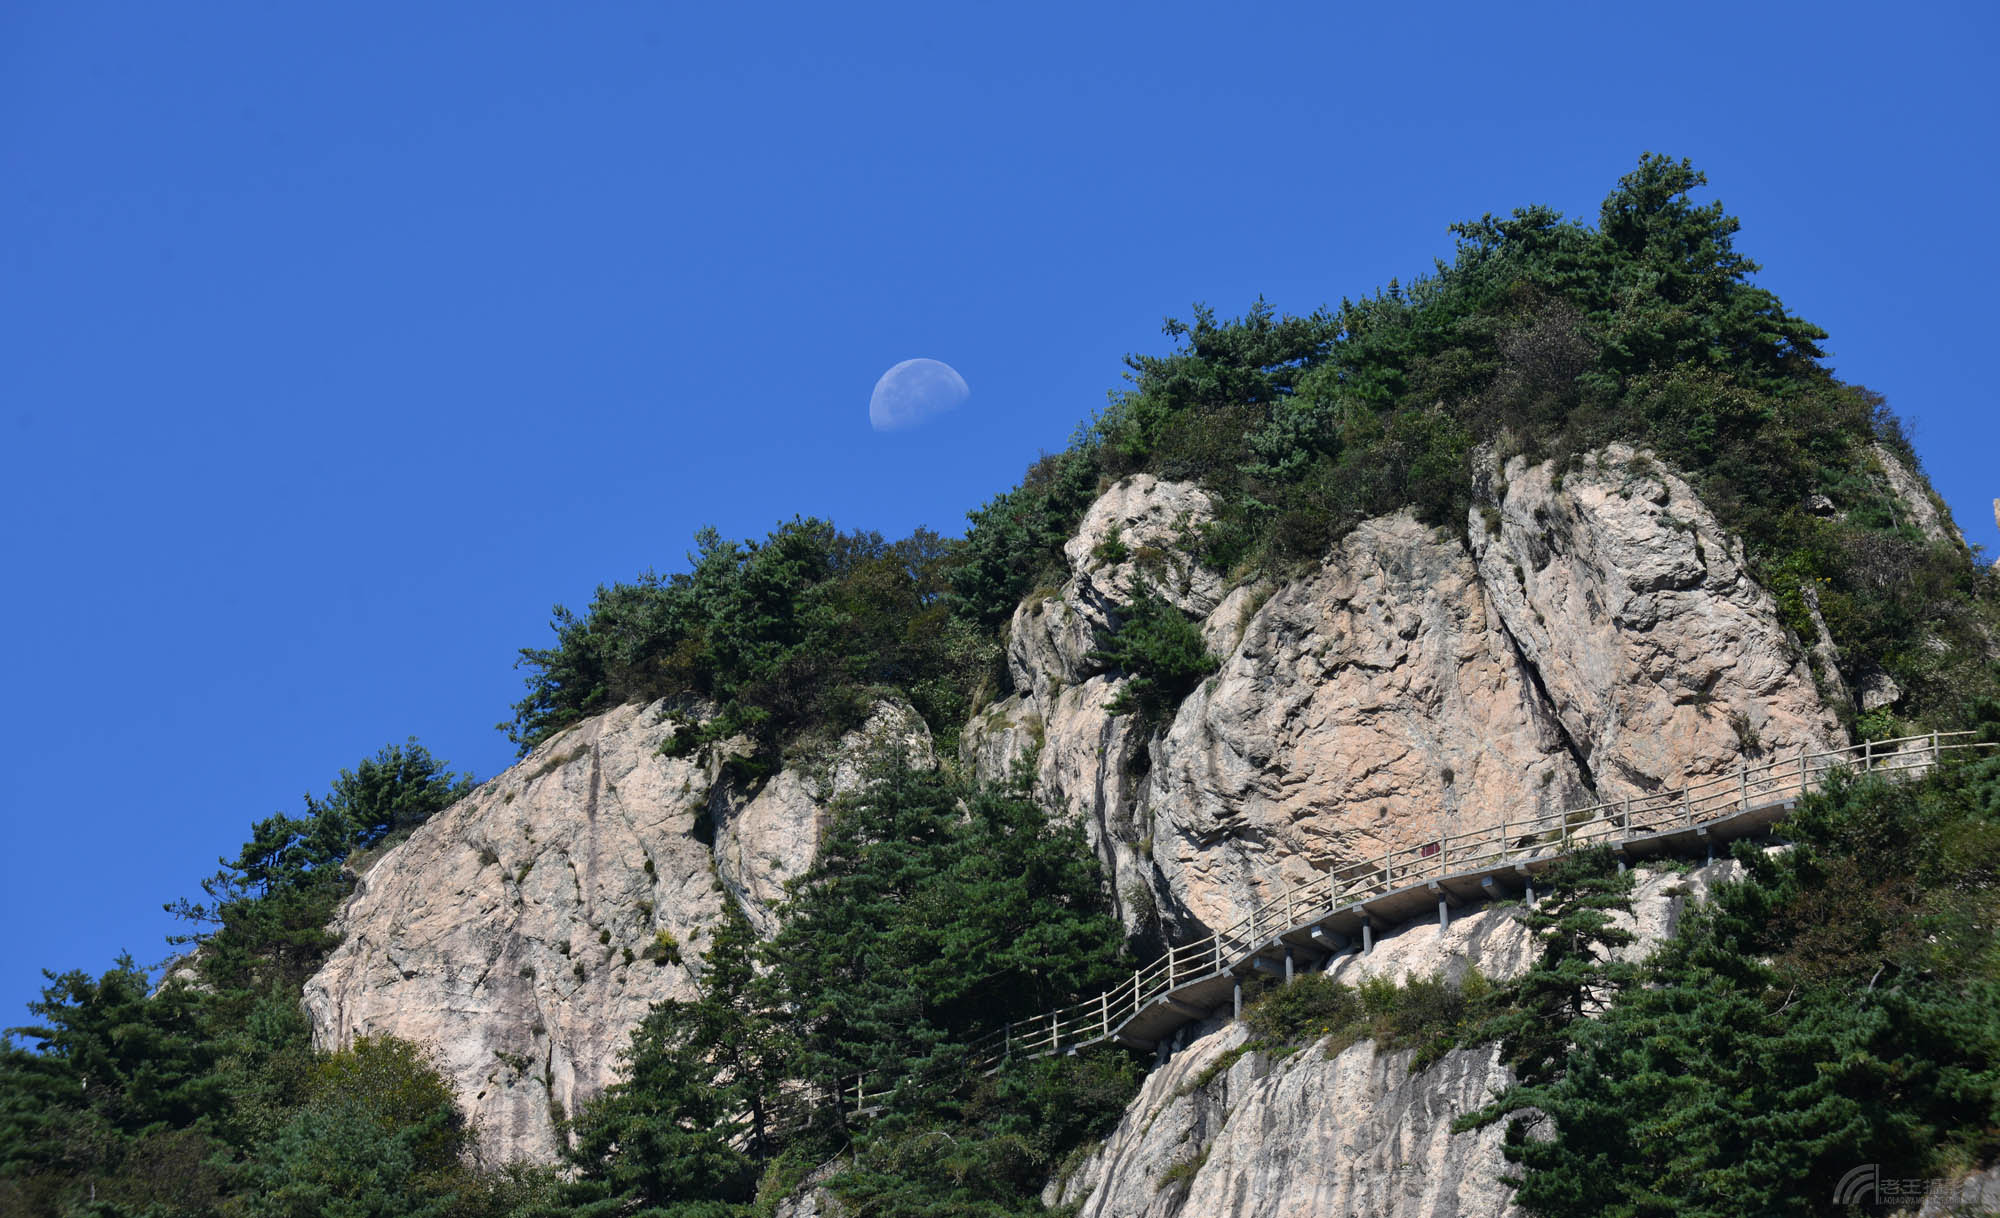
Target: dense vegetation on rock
<point>1546,337</point>
<point>1837,1005</point>
<point>1836,1008</point>
<point>935,914</point>
<point>766,639</point>
<point>207,1096</point>
<point>1542,336</point>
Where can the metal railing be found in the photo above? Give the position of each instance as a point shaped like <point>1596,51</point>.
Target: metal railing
<point>1542,836</point>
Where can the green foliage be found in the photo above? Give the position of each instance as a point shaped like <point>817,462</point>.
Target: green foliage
<point>1543,337</point>
<point>991,1154</point>
<point>1575,976</point>
<point>113,1077</point>
<point>936,913</point>
<point>1429,1014</point>
<point>388,795</point>
<point>1161,650</point>
<point>179,1103</point>
<point>1312,1006</point>
<point>378,1136</point>
<point>693,1113</point>
<point>1016,539</point>
<point>1839,1007</point>
<point>268,908</point>
<point>768,640</point>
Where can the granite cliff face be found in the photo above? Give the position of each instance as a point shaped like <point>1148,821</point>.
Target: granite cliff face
<point>1597,638</point>
<point>524,932</point>
<point>1313,1135</point>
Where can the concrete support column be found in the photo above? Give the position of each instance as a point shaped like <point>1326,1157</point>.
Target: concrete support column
<point>1288,964</point>
<point>1236,999</point>
<point>1367,937</point>
<point>1444,914</point>
<point>1531,894</point>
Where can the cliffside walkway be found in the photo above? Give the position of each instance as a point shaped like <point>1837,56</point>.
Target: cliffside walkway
<point>1342,909</point>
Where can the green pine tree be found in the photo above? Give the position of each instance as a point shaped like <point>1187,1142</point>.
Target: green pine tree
<point>1575,977</point>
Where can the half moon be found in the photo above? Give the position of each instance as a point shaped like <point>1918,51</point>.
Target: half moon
<point>913,391</point>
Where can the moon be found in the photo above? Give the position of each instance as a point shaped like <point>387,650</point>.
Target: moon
<point>913,391</point>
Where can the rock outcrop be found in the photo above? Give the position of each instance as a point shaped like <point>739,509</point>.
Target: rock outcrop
<point>1368,707</point>
<point>1140,533</point>
<point>1664,662</point>
<point>1596,637</point>
<point>524,932</point>
<point>1307,1136</point>
<point>1920,504</point>
<point>1223,1134</point>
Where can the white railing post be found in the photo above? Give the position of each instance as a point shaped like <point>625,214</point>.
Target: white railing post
<point>1687,798</point>
<point>1743,785</point>
<point>1867,755</point>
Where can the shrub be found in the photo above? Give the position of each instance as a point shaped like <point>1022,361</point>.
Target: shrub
<point>1162,652</point>
<point>664,949</point>
<point>1312,1006</point>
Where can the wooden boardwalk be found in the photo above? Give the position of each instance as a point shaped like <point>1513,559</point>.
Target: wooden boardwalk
<point>1344,908</point>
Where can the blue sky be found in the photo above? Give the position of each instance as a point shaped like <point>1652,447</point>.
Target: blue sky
<point>337,346</point>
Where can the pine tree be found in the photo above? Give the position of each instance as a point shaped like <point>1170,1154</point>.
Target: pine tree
<point>696,1110</point>
<point>1575,976</point>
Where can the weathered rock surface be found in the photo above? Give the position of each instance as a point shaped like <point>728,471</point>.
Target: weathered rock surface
<point>1368,707</point>
<point>1921,505</point>
<point>1664,662</point>
<point>1304,1137</point>
<point>766,838</point>
<point>811,1199</point>
<point>1491,938</point>
<point>1597,638</point>
<point>1352,1134</point>
<point>1976,1193</point>
<point>1140,533</point>
<point>517,934</point>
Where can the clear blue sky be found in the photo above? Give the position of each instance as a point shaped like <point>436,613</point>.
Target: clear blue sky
<point>336,346</point>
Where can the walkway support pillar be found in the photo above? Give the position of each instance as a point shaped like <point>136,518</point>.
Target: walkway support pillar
<point>1444,914</point>
<point>1367,935</point>
<point>1288,964</point>
<point>1236,999</point>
